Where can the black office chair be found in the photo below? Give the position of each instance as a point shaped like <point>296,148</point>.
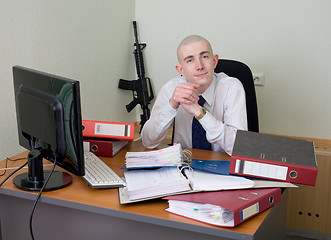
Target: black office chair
<point>242,72</point>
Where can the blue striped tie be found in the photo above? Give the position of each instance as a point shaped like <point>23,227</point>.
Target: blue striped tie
<point>199,139</point>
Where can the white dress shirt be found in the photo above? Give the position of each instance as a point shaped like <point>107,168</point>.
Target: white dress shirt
<point>226,113</point>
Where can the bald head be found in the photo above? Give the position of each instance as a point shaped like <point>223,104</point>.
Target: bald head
<point>189,40</point>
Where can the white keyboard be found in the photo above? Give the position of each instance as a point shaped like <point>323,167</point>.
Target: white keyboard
<point>98,174</point>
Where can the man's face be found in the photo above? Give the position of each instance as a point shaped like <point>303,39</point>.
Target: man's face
<point>197,63</point>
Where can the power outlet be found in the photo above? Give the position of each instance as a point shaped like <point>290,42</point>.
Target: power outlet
<point>259,79</point>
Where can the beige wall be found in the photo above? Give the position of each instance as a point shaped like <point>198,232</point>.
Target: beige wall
<point>90,41</point>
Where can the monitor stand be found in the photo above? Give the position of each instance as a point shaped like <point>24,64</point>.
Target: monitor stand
<point>34,179</point>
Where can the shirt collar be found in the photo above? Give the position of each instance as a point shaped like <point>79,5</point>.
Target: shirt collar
<point>208,95</point>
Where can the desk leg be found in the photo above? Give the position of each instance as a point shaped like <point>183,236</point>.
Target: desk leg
<point>274,228</point>
<point>0,228</point>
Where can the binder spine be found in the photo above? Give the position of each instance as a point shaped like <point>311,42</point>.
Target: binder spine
<point>99,147</point>
<point>108,130</point>
<point>267,169</point>
<point>262,204</point>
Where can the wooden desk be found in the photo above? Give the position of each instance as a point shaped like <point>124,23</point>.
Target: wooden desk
<point>80,212</point>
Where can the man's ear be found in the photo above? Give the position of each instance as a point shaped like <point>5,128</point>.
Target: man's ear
<point>215,59</point>
<point>179,69</point>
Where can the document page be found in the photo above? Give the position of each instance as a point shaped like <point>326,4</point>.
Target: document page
<point>206,181</point>
<point>147,183</point>
<point>170,156</point>
<point>208,213</point>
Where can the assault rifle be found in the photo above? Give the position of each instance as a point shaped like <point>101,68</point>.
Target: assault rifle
<point>142,94</point>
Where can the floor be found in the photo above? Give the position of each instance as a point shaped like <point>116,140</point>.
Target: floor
<point>291,237</point>
<point>297,238</point>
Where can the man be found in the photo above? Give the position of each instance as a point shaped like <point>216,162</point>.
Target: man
<point>221,113</point>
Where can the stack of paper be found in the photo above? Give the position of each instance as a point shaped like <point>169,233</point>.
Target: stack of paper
<point>149,183</point>
<point>224,208</point>
<point>170,156</point>
<point>206,181</point>
<point>208,213</point>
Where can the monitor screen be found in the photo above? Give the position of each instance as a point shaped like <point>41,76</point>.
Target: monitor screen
<point>49,117</point>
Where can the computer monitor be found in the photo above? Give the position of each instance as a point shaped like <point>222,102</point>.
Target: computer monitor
<point>49,125</point>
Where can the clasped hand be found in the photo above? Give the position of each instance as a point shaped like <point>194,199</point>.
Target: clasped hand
<point>186,95</point>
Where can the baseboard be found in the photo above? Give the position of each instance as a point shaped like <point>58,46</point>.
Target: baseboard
<point>308,234</point>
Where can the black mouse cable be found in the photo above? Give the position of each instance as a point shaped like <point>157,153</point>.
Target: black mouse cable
<point>6,165</point>
<point>38,197</point>
<point>12,172</point>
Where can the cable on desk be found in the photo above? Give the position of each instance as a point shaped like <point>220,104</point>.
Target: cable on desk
<point>12,172</point>
<point>17,159</point>
<point>37,199</point>
<point>13,160</point>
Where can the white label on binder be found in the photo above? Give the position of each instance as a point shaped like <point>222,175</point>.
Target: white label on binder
<point>112,129</point>
<point>261,169</point>
<point>249,211</point>
<point>86,146</point>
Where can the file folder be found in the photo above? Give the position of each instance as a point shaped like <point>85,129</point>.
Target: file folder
<point>104,147</point>
<point>274,157</point>
<point>214,166</point>
<point>224,208</point>
<point>110,130</point>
